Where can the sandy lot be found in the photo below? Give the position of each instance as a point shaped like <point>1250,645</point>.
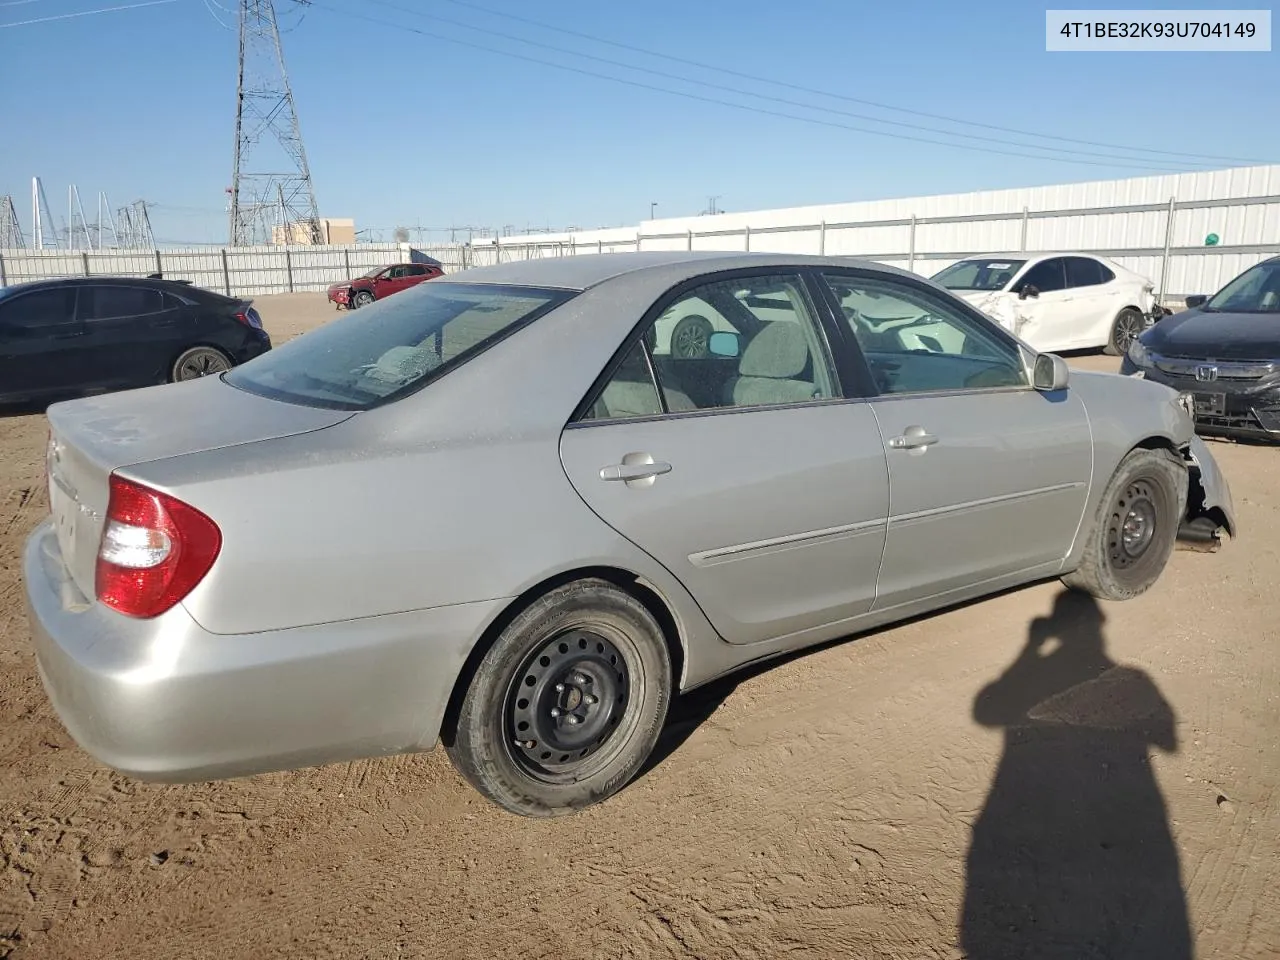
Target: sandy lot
<point>876,798</point>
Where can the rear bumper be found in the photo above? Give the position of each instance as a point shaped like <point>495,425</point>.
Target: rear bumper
<point>164,699</point>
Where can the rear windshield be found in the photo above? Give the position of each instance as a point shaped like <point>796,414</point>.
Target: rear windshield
<point>393,346</point>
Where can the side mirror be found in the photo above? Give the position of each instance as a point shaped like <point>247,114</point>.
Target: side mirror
<point>1028,290</point>
<point>723,344</point>
<point>1196,300</point>
<point>1050,373</point>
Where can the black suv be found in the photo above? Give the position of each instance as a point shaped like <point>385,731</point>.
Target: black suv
<point>92,334</point>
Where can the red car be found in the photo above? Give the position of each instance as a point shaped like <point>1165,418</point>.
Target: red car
<point>381,282</point>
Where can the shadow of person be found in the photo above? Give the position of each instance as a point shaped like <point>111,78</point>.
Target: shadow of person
<point>1072,856</point>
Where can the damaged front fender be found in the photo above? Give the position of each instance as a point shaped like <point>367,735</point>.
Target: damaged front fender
<point>1209,506</point>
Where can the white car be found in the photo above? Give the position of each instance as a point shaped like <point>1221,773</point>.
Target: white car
<point>1057,301</point>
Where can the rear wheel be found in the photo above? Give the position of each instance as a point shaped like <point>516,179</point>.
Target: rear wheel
<point>362,299</point>
<point>1128,325</point>
<point>1135,527</point>
<point>568,703</point>
<point>199,362</point>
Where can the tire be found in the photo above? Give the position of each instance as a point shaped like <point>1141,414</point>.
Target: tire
<point>361,299</point>
<point>1128,324</point>
<point>522,758</point>
<point>691,338</point>
<point>199,362</point>
<point>1149,489</point>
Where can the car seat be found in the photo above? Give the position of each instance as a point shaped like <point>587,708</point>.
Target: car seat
<point>772,367</point>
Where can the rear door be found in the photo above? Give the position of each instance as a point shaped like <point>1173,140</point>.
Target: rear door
<point>743,470</point>
<point>40,343</point>
<point>132,333</point>
<point>1094,301</point>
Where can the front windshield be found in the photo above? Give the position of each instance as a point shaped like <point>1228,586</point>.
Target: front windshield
<point>1257,290</point>
<point>978,274</point>
<point>391,347</point>
<point>372,273</point>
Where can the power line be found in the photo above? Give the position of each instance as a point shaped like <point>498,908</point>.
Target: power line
<point>87,13</point>
<point>436,18</point>
<point>839,96</point>
<point>739,106</point>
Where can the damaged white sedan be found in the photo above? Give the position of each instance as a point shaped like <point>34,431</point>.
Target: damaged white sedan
<point>1058,301</point>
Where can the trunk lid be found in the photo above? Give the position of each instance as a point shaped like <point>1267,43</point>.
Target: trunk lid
<point>89,438</point>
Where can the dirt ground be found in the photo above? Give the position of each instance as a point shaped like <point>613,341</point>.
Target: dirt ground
<point>846,803</point>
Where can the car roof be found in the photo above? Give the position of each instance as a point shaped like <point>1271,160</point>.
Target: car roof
<point>176,286</point>
<point>583,271</point>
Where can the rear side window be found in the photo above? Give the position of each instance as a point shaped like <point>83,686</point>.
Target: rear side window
<point>110,303</point>
<point>393,346</point>
<point>1085,272</point>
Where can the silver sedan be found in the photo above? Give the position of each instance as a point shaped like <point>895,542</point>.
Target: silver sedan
<point>500,511</point>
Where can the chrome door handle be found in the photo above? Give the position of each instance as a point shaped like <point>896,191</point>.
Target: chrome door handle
<point>912,438</point>
<point>635,471</point>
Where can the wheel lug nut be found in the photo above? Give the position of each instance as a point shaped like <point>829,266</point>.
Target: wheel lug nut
<point>555,711</point>
<point>572,719</point>
<point>559,688</point>
<point>590,699</point>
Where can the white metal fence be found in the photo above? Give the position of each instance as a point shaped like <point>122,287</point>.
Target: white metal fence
<point>235,271</point>
<point>1156,226</point>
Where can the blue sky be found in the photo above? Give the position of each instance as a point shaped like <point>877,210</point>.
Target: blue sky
<point>406,129</point>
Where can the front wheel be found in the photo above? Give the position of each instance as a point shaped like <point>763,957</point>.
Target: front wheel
<point>567,705</point>
<point>1126,328</point>
<point>362,299</point>
<point>1135,528</point>
<point>199,362</point>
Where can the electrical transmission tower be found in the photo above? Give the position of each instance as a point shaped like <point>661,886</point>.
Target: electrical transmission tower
<point>270,181</point>
<point>133,226</point>
<point>10,229</point>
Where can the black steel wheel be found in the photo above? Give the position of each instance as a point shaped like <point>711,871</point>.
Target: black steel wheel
<point>691,338</point>
<point>565,707</point>
<point>199,362</point>
<point>361,299</point>
<point>1135,527</point>
<point>1128,326</point>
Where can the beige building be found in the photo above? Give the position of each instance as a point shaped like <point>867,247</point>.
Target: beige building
<point>331,231</point>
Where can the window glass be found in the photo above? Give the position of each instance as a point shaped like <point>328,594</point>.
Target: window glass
<point>728,344</point>
<point>1045,276</point>
<point>916,343</point>
<point>978,274</point>
<point>1084,272</point>
<point>630,392</point>
<point>1257,290</point>
<point>40,308</point>
<point>384,350</point>
<point>106,303</point>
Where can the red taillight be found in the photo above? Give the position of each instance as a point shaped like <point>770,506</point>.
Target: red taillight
<point>154,550</point>
<point>243,317</point>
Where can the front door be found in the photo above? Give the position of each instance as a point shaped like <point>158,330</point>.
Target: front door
<point>987,476</point>
<point>1047,320</point>
<point>741,470</point>
<point>41,344</point>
